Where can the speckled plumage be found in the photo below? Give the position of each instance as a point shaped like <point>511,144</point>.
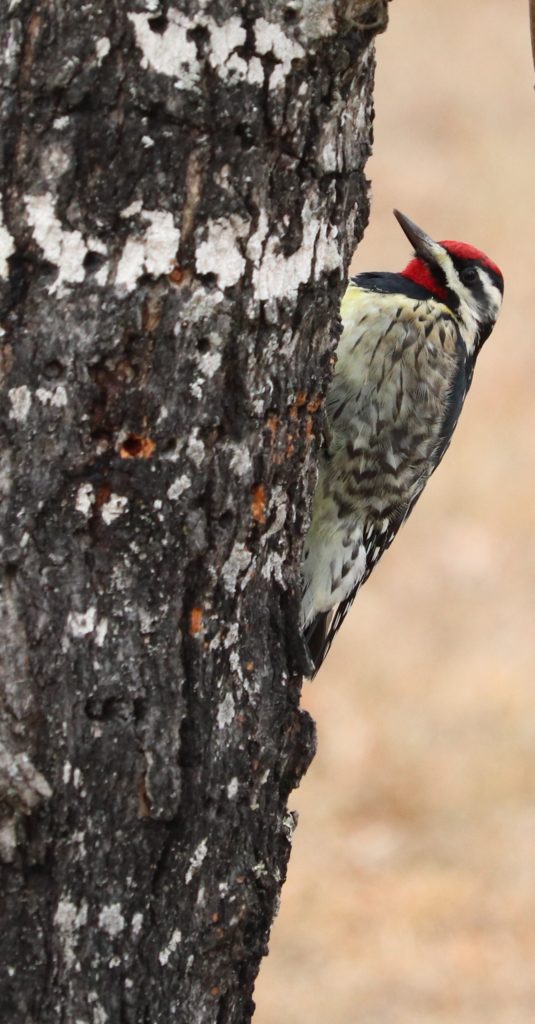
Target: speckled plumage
<point>404,364</point>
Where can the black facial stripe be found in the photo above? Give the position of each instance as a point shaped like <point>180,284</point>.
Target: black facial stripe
<point>461,264</point>
<point>477,290</point>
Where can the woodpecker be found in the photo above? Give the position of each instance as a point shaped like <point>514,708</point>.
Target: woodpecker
<point>405,361</point>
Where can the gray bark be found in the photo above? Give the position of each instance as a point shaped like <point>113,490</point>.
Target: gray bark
<point>182,187</point>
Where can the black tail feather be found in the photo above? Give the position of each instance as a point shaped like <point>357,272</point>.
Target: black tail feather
<point>323,629</point>
<point>316,636</point>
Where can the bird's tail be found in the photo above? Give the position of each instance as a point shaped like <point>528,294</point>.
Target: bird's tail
<point>316,636</point>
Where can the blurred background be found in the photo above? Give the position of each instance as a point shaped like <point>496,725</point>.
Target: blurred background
<point>411,889</point>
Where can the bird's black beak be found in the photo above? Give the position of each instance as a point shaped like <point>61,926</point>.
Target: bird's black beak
<point>424,246</point>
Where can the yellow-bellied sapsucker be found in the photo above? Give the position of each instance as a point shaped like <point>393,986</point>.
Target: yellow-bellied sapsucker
<point>405,361</point>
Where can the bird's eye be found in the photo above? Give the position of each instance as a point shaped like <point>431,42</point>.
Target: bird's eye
<point>469,275</point>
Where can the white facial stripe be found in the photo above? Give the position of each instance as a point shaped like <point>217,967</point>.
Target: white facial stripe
<point>492,294</point>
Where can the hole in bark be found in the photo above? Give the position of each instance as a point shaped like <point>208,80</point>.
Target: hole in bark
<point>169,446</point>
<point>132,445</point>
<point>139,708</point>
<point>159,24</point>
<point>291,14</point>
<point>135,446</point>
<point>53,369</point>
<point>20,272</point>
<point>210,280</point>
<point>226,518</point>
<point>245,133</point>
<point>102,709</point>
<point>93,261</point>
<point>103,439</point>
<point>203,345</point>
<point>94,708</point>
<point>199,35</point>
<point>188,755</point>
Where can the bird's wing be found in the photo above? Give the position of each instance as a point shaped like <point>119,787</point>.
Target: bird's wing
<point>377,527</point>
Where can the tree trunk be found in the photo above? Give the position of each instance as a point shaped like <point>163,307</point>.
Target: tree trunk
<point>182,188</point>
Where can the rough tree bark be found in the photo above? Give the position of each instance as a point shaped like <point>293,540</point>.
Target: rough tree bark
<point>182,187</point>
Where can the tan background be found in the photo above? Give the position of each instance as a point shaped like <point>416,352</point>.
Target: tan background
<point>411,890</point>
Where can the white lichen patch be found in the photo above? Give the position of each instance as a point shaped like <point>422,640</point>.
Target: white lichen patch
<point>273,567</point>
<point>199,307</point>
<point>147,621</point>
<point>241,462</point>
<point>236,564</point>
<point>220,254</point>
<point>235,664</point>
<point>210,361</point>
<point>20,781</point>
<point>224,39</point>
<point>278,276</point>
<point>226,711</point>
<point>114,507</point>
<point>134,208</point>
<point>131,264</point>
<point>171,52</point>
<point>85,499</point>
<point>54,161</point>
<point>101,632</point>
<point>198,856</point>
<point>152,252</point>
<point>178,487</point>
<point>161,241</point>
<point>328,152</point>
<point>318,18</point>
<point>255,244</point>
<point>7,245</point>
<point>80,624</point>
<point>21,400</point>
<point>65,249</point>
<point>8,842</point>
<point>111,920</point>
<point>196,450</point>
<point>56,397</point>
<point>69,919</point>
<point>255,72</point>
<point>232,788</point>
<point>327,255</point>
<point>167,951</point>
<point>102,47</point>
<point>233,635</point>
<point>270,38</point>
<point>137,922</point>
<point>278,504</point>
<point>99,1014</point>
